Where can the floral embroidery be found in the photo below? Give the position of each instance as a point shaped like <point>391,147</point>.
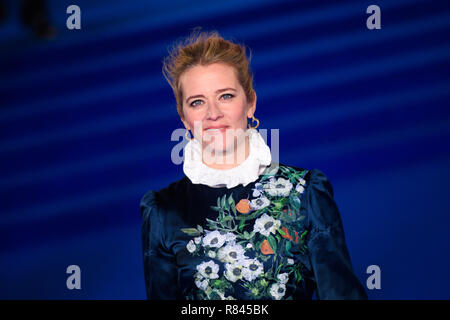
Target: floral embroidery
<point>277,290</point>
<point>231,253</point>
<point>250,245</point>
<point>286,234</point>
<point>214,239</point>
<point>265,247</point>
<point>260,203</point>
<point>279,187</point>
<point>208,270</point>
<point>243,206</point>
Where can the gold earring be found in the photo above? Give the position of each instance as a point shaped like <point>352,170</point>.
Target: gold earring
<point>187,138</point>
<point>257,123</point>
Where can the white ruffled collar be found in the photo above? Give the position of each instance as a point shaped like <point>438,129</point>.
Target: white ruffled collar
<point>248,171</point>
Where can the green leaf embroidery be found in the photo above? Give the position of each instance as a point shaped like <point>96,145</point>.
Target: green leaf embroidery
<point>224,201</point>
<point>190,231</point>
<point>279,268</point>
<point>288,248</point>
<point>285,217</point>
<point>303,234</point>
<point>241,226</point>
<point>295,203</point>
<point>272,243</point>
<point>248,216</point>
<point>227,218</point>
<point>269,173</point>
<point>231,201</point>
<point>279,203</point>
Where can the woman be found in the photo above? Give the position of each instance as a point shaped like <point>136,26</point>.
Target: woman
<point>237,225</point>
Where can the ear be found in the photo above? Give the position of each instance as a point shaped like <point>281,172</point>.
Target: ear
<point>185,124</point>
<point>252,106</point>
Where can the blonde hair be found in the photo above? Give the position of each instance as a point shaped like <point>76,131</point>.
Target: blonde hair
<point>204,48</point>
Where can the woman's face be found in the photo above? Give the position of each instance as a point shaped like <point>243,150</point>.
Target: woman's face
<point>215,105</point>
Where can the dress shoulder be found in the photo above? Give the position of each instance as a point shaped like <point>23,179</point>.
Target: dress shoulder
<point>163,197</point>
<point>151,223</point>
<point>154,206</point>
<point>319,201</point>
<point>147,204</point>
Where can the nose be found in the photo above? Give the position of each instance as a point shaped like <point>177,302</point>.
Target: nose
<point>213,111</point>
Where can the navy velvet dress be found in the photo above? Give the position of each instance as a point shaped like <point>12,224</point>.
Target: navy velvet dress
<point>279,237</point>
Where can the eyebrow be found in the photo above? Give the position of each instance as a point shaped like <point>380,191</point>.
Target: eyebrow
<point>218,91</point>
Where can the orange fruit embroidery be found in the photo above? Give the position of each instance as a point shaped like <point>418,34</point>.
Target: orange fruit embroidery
<point>265,248</point>
<point>286,235</point>
<point>243,206</point>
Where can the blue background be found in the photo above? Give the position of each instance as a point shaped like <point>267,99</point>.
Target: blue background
<point>86,119</point>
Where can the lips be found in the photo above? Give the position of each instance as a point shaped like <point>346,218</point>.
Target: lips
<point>216,128</point>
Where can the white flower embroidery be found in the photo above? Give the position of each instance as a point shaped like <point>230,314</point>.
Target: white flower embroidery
<point>234,271</point>
<point>208,269</point>
<point>266,225</point>
<point>258,190</point>
<point>191,247</point>
<point>197,240</point>
<point>201,283</point>
<point>279,187</point>
<point>230,237</point>
<point>299,188</point>
<point>214,239</point>
<point>231,253</point>
<point>253,268</point>
<point>283,277</point>
<point>259,203</point>
<point>249,245</point>
<point>211,254</point>
<point>302,181</point>
<point>277,290</point>
<point>290,261</point>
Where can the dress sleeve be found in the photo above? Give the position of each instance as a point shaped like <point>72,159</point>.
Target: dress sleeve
<point>159,263</point>
<point>328,253</point>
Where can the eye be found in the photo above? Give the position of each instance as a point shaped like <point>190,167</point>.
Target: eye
<point>195,103</point>
<point>227,96</point>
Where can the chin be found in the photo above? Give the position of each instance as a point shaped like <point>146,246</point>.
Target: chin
<point>225,148</point>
